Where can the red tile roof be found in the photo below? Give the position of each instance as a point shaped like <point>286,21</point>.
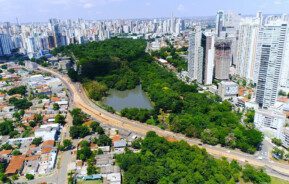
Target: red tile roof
<point>48,143</point>
<point>15,164</point>
<point>116,138</point>
<point>5,152</point>
<point>46,150</point>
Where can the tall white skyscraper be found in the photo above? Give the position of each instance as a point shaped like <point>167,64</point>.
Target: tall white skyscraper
<point>209,41</point>
<point>247,37</point>
<point>195,59</point>
<point>284,78</point>
<point>271,50</point>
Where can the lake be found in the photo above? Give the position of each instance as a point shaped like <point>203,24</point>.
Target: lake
<point>135,98</point>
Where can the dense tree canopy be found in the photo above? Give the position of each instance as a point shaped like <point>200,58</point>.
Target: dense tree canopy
<point>21,90</point>
<point>123,63</point>
<point>160,161</point>
<point>20,103</point>
<point>6,127</point>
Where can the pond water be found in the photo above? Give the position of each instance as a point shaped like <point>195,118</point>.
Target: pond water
<point>135,98</point>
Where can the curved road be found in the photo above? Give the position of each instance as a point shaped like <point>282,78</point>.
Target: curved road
<point>80,100</point>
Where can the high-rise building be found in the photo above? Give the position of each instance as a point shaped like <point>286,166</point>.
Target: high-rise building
<point>271,50</point>
<point>247,37</point>
<point>5,45</point>
<point>209,54</point>
<point>195,58</point>
<point>219,22</point>
<point>223,59</point>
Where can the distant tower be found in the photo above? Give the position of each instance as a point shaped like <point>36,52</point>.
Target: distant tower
<point>172,24</point>
<point>219,22</point>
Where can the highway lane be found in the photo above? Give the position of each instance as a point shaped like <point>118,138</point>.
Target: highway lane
<point>81,101</point>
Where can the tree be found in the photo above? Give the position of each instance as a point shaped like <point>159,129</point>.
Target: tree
<point>136,144</point>
<point>276,141</point>
<point>160,161</point>
<point>32,124</point>
<point>95,89</point>
<point>21,90</point>
<point>56,106</point>
<point>15,177</point>
<point>250,116</point>
<point>79,131</point>
<point>78,116</point>
<point>91,169</point>
<point>67,144</point>
<point>282,93</point>
<point>38,118</point>
<point>279,153</point>
<point>29,176</point>
<point>11,70</point>
<point>16,152</point>
<point>73,74</point>
<point>37,141</point>
<point>6,127</point>
<point>6,146</point>
<point>84,153</point>
<point>20,103</point>
<point>103,140</point>
<point>60,119</point>
<point>95,127</point>
<point>250,174</point>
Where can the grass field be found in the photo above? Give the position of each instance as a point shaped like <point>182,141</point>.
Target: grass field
<point>278,181</point>
<point>90,182</point>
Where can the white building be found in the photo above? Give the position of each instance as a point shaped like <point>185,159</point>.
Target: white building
<point>195,58</point>
<point>227,89</point>
<point>270,121</point>
<point>247,38</point>
<point>285,137</point>
<point>271,51</point>
<point>209,57</point>
<point>47,132</point>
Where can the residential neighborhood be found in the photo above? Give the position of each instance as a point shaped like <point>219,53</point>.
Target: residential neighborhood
<point>33,108</point>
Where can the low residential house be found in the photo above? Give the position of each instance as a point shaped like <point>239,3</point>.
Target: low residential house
<point>47,160</point>
<point>47,132</point>
<point>120,144</point>
<point>113,178</point>
<point>26,140</point>
<point>109,169</point>
<point>105,149</point>
<point>15,165</point>
<point>7,111</point>
<point>31,164</point>
<point>2,97</point>
<point>6,154</point>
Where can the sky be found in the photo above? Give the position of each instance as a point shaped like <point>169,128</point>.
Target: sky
<point>42,10</point>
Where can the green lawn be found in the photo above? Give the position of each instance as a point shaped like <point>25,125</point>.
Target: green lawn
<point>90,182</point>
<point>278,181</point>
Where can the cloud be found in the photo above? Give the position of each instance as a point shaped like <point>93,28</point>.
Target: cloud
<point>88,5</point>
<point>181,8</point>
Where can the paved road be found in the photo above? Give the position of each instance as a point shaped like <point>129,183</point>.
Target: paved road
<point>80,100</point>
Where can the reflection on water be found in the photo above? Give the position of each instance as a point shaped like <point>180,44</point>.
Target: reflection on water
<point>128,99</point>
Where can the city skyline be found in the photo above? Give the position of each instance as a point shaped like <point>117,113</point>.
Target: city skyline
<point>41,11</point>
